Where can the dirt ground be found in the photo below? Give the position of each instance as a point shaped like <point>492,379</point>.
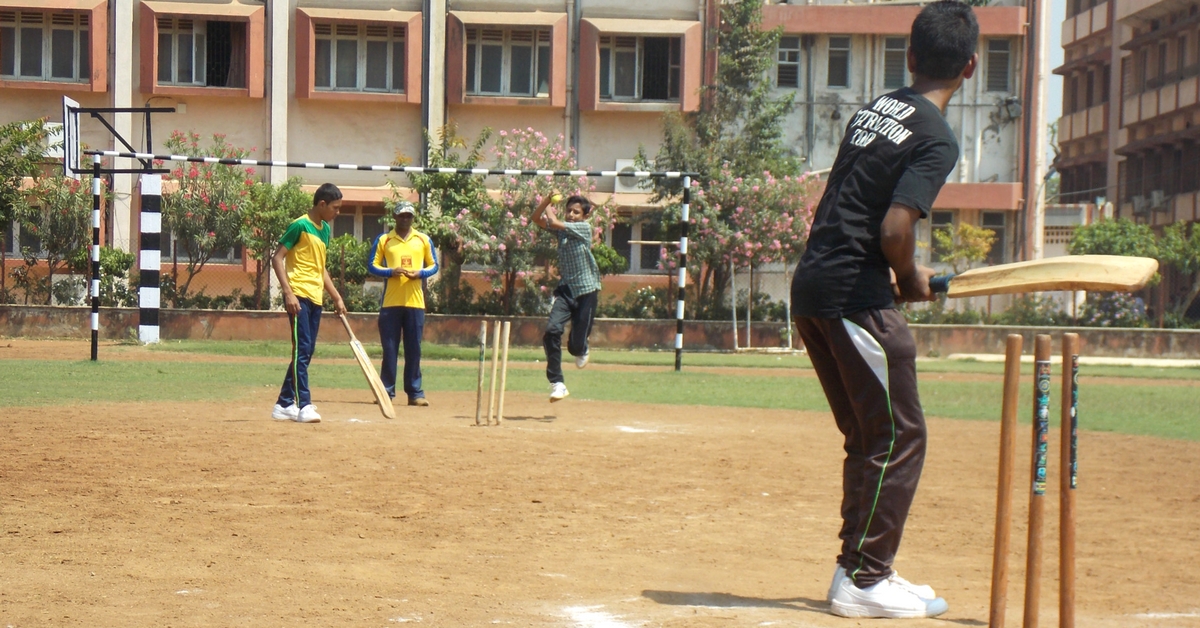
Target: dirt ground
<point>582,513</point>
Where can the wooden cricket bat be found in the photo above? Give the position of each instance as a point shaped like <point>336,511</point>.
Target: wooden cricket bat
<point>1094,273</point>
<point>368,369</point>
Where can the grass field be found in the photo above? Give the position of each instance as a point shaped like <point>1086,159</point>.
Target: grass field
<point>1131,400</point>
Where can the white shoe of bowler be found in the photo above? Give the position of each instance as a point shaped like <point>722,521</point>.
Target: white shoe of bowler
<point>582,360</point>
<point>885,598</point>
<point>558,391</point>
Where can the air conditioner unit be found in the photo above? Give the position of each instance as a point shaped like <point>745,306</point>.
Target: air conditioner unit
<point>1139,204</point>
<point>627,184</point>
<point>1157,200</point>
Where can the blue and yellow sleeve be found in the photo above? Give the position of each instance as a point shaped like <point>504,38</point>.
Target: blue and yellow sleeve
<point>378,265</point>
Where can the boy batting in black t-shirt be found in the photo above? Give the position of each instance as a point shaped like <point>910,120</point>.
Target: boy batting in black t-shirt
<point>893,160</point>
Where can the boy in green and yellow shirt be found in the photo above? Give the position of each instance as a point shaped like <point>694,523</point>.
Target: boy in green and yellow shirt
<point>299,263</point>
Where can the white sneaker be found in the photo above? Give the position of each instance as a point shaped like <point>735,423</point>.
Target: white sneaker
<point>885,598</point>
<point>289,413</point>
<point>839,574</point>
<point>308,414</point>
<point>558,392</point>
<point>923,591</point>
<point>582,360</point>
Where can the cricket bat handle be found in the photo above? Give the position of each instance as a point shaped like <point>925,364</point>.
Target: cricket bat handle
<point>940,283</point>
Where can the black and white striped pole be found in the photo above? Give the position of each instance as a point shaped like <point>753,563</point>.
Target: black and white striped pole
<point>95,257</point>
<point>682,280</point>
<point>150,258</point>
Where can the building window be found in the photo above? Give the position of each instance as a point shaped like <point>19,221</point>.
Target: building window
<point>44,46</point>
<point>1144,68</point>
<point>643,258</point>
<point>995,222</point>
<point>1180,55</point>
<point>895,62</point>
<point>1072,94</point>
<point>787,72</point>
<point>1089,94</point>
<point>201,53</point>
<point>999,55</point>
<point>640,68</point>
<point>1162,62</point>
<point>839,62</point>
<point>359,57</point>
<point>508,62</point>
<point>938,220</point>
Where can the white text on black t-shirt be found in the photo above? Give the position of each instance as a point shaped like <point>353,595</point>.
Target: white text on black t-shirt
<point>881,119</point>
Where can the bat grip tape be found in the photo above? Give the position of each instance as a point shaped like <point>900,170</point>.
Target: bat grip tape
<point>940,283</point>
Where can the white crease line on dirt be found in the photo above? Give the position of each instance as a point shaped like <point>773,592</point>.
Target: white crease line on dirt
<point>1166,615</point>
<point>635,430</point>
<point>589,617</point>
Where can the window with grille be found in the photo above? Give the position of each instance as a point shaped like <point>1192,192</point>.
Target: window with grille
<point>359,57</point>
<point>996,223</point>
<point>201,53</point>
<point>839,62</point>
<point>999,60</point>
<point>895,62</point>
<point>640,68</point>
<point>38,46</point>
<point>787,69</point>
<point>508,62</point>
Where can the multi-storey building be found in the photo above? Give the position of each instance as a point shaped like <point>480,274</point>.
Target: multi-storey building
<point>837,56</point>
<point>1087,128</point>
<point>335,82</point>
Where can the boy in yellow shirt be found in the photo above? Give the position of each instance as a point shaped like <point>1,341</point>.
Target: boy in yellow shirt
<point>299,263</point>
<point>405,257</point>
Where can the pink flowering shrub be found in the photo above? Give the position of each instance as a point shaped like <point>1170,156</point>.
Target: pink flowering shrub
<point>204,212</point>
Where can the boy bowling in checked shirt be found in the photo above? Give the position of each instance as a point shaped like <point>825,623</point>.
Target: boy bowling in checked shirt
<point>578,289</point>
<point>405,257</point>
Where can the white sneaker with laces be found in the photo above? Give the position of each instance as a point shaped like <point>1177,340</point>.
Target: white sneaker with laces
<point>582,360</point>
<point>558,391</point>
<point>289,413</point>
<point>923,591</point>
<point>308,414</point>
<point>885,598</point>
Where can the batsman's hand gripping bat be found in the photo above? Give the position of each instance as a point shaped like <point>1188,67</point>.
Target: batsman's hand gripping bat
<point>368,369</point>
<point>1094,273</point>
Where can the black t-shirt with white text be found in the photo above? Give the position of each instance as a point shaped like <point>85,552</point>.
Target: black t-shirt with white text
<point>898,149</point>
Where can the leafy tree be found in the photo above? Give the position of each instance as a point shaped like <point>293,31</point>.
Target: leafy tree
<point>446,198</point>
<point>511,245</point>
<point>737,133</point>
<point>1180,247</point>
<point>268,211</point>
<point>346,260</point>
<point>57,211</point>
<point>963,245</point>
<point>1114,237</point>
<point>749,221</point>
<point>205,213</point>
<point>21,145</point>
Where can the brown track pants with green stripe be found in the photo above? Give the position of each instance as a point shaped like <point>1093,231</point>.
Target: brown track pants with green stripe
<point>866,364</point>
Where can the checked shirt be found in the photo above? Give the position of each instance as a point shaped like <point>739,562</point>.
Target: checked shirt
<point>575,262</point>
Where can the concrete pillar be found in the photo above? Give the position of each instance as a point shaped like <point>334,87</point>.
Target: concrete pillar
<point>121,88</point>
<point>434,99</point>
<point>280,13</point>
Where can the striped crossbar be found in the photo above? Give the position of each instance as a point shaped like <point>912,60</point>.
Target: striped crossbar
<point>410,169</point>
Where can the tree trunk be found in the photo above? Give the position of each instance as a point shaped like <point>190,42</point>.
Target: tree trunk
<point>4,270</point>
